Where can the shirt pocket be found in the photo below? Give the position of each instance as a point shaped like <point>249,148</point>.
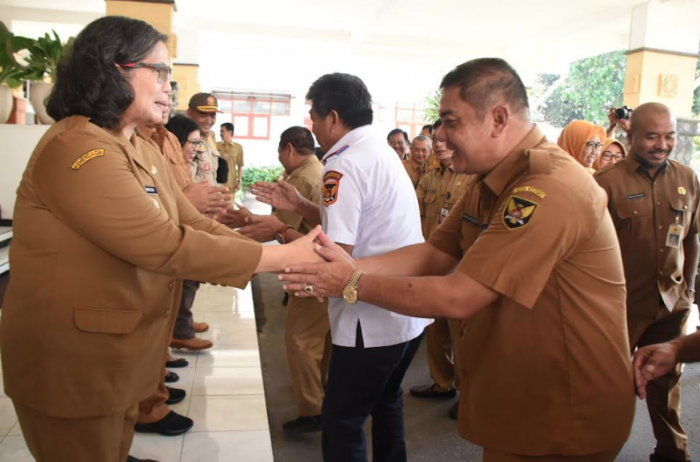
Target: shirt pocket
<point>681,207</point>
<point>117,322</point>
<point>632,215</point>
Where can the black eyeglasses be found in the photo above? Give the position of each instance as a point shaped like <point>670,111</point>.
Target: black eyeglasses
<point>164,71</point>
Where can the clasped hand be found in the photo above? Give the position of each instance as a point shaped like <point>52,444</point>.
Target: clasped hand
<point>328,278</point>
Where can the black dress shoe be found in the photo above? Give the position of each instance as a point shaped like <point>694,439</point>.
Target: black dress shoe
<point>134,459</point>
<point>431,391</point>
<point>171,377</point>
<point>454,411</point>
<point>659,458</point>
<point>180,362</point>
<point>175,395</point>
<point>304,424</point>
<point>172,424</point>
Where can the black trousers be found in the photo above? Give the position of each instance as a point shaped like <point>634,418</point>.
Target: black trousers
<point>363,382</point>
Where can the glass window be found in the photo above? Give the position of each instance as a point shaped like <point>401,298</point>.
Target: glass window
<point>261,107</point>
<point>260,127</point>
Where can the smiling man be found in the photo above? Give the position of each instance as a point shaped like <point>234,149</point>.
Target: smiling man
<point>529,260</point>
<point>654,204</point>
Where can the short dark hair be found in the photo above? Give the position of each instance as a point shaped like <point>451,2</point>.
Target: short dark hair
<point>299,137</point>
<point>181,126</point>
<point>429,127</point>
<point>396,131</point>
<point>344,93</point>
<point>485,81</point>
<point>228,126</point>
<point>437,124</point>
<point>89,82</point>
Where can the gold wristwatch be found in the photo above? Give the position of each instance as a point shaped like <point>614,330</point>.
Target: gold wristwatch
<point>350,290</point>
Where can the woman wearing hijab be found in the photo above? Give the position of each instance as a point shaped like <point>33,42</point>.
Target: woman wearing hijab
<point>613,152</point>
<point>583,141</point>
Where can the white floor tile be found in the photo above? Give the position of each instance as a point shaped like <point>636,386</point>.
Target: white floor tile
<point>230,329</point>
<point>8,417</point>
<point>16,430</point>
<point>228,413</point>
<point>157,447</point>
<point>229,356</point>
<point>249,446</point>
<point>14,449</point>
<point>223,381</point>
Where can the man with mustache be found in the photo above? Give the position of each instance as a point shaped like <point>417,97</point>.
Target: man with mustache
<point>654,203</point>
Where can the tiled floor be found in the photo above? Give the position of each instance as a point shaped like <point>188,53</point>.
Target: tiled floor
<point>225,395</point>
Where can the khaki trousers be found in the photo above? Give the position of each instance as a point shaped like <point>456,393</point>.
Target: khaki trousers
<point>442,356</point>
<point>308,343</point>
<point>153,408</point>
<point>494,456</point>
<point>90,439</point>
<point>663,394</point>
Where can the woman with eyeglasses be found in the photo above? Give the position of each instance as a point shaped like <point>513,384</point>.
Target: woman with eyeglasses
<point>583,141</point>
<point>613,152</point>
<point>187,132</point>
<point>103,238</point>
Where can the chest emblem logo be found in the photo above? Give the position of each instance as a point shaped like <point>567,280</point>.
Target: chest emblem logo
<point>681,190</point>
<point>331,186</point>
<point>518,212</point>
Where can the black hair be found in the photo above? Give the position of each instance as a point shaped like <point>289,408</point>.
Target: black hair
<point>429,127</point>
<point>89,81</point>
<point>181,126</point>
<point>344,93</point>
<point>396,131</point>
<point>228,126</point>
<point>437,124</point>
<point>299,137</point>
<point>484,82</point>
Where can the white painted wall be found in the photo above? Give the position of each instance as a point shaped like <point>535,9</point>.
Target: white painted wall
<point>19,142</point>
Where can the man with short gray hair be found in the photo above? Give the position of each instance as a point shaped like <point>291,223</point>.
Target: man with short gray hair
<point>416,164</point>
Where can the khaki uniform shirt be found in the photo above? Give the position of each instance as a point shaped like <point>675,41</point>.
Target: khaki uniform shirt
<point>169,146</point>
<point>438,192</point>
<point>307,179</point>
<point>207,161</point>
<point>233,153</point>
<point>546,368</point>
<point>415,171</point>
<point>101,223</point>
<point>643,209</point>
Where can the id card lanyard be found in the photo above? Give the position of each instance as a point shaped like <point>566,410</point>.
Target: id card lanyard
<point>675,230</point>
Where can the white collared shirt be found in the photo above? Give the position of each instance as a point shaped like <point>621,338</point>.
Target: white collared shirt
<point>368,202</point>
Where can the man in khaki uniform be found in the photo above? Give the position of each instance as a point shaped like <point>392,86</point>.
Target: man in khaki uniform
<point>307,333</point>
<point>529,255</point>
<point>203,108</point>
<point>438,192</point>
<point>233,153</point>
<point>654,204</point>
<point>416,164</point>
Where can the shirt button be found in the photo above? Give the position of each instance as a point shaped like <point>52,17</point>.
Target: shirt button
<point>635,212</point>
<point>166,314</point>
<point>685,207</point>
<point>661,227</point>
<point>172,286</point>
<point>658,203</point>
<point>661,273</point>
<point>661,250</point>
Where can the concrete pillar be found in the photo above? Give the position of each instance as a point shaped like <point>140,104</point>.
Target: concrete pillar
<point>661,62</point>
<point>187,78</point>
<point>158,13</point>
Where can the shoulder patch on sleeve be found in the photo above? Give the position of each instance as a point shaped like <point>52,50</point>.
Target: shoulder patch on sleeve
<point>331,187</point>
<point>518,212</point>
<point>86,157</point>
<point>537,192</point>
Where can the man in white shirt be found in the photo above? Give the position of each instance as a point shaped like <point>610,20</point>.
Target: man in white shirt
<point>368,207</point>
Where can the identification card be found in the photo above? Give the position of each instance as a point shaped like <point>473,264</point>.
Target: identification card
<point>443,214</point>
<point>673,239</point>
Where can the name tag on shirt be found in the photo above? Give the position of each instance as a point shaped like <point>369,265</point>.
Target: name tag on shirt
<point>443,214</point>
<point>635,196</point>
<point>470,219</point>
<point>151,191</point>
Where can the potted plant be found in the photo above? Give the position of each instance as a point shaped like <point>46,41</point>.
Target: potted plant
<point>41,64</point>
<point>10,74</point>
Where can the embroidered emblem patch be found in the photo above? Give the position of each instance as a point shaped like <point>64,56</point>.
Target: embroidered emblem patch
<point>518,212</point>
<point>331,185</point>
<point>537,192</point>
<point>86,157</point>
<point>681,190</point>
